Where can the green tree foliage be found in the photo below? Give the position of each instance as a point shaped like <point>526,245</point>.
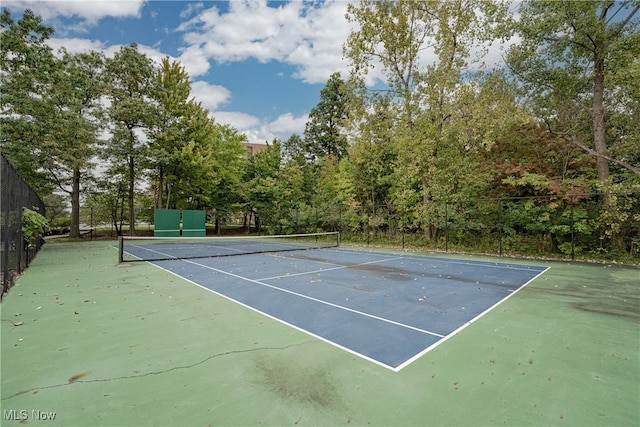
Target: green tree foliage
<point>26,61</point>
<point>441,147</point>
<point>131,114</point>
<point>323,132</point>
<point>216,166</point>
<point>109,199</point>
<point>431,99</point>
<point>169,133</point>
<point>34,225</point>
<point>194,162</point>
<point>51,107</point>
<point>328,195</point>
<point>372,157</point>
<point>578,65</point>
<point>275,189</point>
<point>263,177</point>
<point>225,193</point>
<point>72,132</point>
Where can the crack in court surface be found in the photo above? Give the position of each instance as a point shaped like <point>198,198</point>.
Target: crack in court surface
<point>76,378</point>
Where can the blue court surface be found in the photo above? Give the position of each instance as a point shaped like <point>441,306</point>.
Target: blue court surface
<point>389,309</point>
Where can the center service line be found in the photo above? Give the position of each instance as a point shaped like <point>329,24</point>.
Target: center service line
<point>315,299</point>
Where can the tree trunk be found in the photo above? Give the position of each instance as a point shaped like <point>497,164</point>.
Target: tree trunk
<point>132,231</point>
<point>160,188</point>
<point>425,204</point>
<point>75,205</point>
<point>599,128</point>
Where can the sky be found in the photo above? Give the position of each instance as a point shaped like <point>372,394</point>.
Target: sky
<point>256,65</point>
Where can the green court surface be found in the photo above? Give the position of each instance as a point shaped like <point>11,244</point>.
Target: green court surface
<point>87,342</point>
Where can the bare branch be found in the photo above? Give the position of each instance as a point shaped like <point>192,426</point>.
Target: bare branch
<point>575,141</point>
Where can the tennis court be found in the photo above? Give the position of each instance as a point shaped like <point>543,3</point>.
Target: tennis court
<point>95,342</point>
<point>387,308</point>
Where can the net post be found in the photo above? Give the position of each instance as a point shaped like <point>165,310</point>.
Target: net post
<point>120,250</point>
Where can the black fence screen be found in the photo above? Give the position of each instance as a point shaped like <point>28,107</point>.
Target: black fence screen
<point>16,253</point>
<point>585,226</point>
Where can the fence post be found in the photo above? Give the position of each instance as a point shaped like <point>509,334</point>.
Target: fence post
<point>402,225</point>
<point>500,223</point>
<point>446,226</point>
<point>368,229</point>
<point>573,242</point>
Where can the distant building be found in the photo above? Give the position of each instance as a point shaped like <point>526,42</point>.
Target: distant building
<point>253,149</point>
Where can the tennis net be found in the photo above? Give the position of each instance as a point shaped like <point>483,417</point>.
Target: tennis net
<point>172,248</point>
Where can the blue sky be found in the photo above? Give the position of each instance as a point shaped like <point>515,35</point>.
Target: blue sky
<point>256,65</point>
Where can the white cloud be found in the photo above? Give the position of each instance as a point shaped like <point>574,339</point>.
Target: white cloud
<point>154,54</point>
<point>194,61</point>
<point>287,123</point>
<point>191,9</point>
<point>305,35</point>
<point>78,45</point>
<point>89,11</point>
<point>320,52</point>
<point>240,121</point>
<point>75,45</point>
<point>258,131</point>
<point>246,124</point>
<point>211,96</point>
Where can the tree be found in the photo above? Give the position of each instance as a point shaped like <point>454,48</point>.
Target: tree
<point>327,197</point>
<point>294,148</point>
<point>51,109</point>
<point>71,141</point>
<point>372,156</point>
<point>225,189</point>
<point>26,61</point>
<point>263,174</point>
<point>109,199</point>
<point>131,85</point>
<point>568,63</point>
<point>194,162</point>
<point>208,169</point>
<point>169,132</point>
<point>428,95</point>
<point>528,161</point>
<point>275,188</point>
<point>322,134</point>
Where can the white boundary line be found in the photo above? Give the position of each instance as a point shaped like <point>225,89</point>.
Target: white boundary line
<point>436,259</point>
<point>417,356</point>
<point>277,319</point>
<point>362,313</point>
<point>428,349</point>
<point>339,267</point>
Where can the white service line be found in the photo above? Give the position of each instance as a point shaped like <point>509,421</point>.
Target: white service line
<point>372,316</point>
<point>340,267</point>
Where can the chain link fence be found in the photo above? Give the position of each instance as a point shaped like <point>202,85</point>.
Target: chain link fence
<point>580,226</point>
<point>599,226</point>
<point>17,253</point>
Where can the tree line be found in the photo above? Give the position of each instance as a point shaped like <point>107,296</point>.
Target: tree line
<point>560,119</point>
<point>67,115</point>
